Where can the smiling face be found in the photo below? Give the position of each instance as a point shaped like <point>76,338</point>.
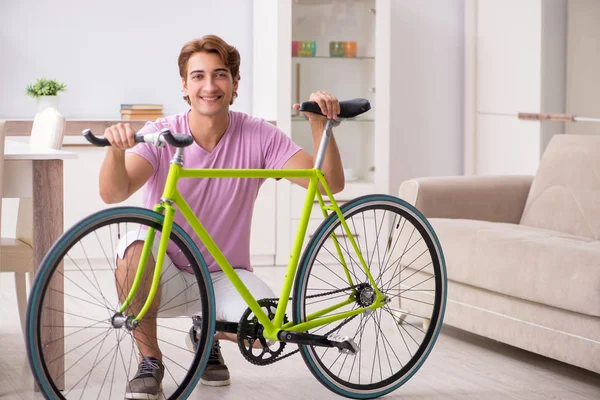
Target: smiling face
<point>209,84</point>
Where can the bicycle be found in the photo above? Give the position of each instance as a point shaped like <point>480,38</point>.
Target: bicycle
<point>390,277</point>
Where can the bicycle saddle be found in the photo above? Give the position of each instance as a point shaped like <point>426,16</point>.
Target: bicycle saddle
<point>348,108</point>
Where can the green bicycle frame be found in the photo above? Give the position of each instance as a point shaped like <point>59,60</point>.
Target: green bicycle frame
<point>171,197</point>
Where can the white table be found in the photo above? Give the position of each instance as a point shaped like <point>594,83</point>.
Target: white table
<point>21,159</point>
<point>31,172</point>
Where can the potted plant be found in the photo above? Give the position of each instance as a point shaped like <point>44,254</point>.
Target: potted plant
<point>46,92</point>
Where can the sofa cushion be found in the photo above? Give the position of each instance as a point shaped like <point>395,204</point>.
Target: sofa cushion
<point>565,193</point>
<point>544,266</point>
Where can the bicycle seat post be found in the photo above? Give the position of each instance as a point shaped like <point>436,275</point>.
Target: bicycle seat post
<point>331,123</point>
<point>178,157</point>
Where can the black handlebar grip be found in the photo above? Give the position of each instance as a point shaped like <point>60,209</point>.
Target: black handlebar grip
<point>177,139</point>
<point>102,142</point>
<point>95,140</point>
<point>174,139</point>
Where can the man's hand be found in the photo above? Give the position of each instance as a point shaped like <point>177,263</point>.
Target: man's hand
<point>332,163</point>
<point>120,136</point>
<point>329,104</point>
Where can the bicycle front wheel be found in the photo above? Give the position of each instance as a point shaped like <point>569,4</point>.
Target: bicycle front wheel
<point>406,262</point>
<point>75,347</point>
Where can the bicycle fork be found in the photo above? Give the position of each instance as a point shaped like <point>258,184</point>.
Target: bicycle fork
<point>132,321</point>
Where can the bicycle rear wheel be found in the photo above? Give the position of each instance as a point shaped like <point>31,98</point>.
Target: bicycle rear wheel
<point>406,262</point>
<point>74,348</point>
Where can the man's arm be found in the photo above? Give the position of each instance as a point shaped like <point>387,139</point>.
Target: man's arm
<point>122,175</point>
<point>332,164</point>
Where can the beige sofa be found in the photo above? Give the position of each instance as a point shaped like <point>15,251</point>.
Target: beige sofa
<point>523,253</point>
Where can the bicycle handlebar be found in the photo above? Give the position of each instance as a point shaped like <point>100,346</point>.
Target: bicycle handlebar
<point>157,138</point>
<point>348,109</point>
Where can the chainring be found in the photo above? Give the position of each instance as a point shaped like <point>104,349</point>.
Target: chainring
<point>251,342</point>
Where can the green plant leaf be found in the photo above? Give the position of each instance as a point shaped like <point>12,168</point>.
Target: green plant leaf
<point>44,87</point>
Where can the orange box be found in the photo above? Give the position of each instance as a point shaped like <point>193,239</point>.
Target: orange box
<point>350,49</point>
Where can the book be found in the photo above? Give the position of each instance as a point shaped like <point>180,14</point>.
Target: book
<point>145,117</point>
<point>141,116</point>
<point>141,106</point>
<point>133,112</point>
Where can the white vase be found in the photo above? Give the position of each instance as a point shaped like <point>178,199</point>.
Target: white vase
<point>44,102</point>
<point>48,129</point>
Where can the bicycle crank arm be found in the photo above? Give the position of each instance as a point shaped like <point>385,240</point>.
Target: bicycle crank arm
<point>344,344</point>
<point>220,326</point>
<point>227,327</point>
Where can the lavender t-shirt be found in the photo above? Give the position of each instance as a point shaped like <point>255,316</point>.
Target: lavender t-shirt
<point>223,206</point>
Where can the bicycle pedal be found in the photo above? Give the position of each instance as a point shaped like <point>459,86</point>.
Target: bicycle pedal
<point>345,344</point>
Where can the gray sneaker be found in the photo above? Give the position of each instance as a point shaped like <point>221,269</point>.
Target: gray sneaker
<point>216,372</point>
<point>147,382</point>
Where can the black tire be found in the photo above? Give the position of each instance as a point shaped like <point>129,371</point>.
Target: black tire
<point>421,288</point>
<point>89,294</point>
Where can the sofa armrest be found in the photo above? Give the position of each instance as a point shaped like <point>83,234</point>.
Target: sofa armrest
<point>485,198</point>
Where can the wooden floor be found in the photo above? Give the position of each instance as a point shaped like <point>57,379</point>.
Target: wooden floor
<point>461,366</point>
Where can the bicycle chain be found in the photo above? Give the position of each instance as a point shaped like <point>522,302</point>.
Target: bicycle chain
<point>324,294</point>
<point>281,357</point>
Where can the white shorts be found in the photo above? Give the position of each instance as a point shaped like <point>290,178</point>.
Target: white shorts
<point>176,284</point>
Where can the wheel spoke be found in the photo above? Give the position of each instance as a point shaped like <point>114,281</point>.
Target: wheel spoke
<point>74,318</point>
<point>389,337</point>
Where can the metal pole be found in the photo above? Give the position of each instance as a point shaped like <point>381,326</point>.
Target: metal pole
<point>547,117</point>
<point>325,141</point>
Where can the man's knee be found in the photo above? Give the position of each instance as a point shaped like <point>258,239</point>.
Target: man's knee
<point>134,250</point>
<point>131,256</point>
<point>127,263</point>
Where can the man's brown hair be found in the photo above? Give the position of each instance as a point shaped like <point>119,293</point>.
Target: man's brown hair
<point>210,44</point>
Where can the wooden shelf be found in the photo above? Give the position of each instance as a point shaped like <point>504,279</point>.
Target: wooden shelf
<point>305,119</point>
<point>73,128</point>
<point>332,58</point>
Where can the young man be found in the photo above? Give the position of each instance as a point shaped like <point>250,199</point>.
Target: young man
<point>209,70</point>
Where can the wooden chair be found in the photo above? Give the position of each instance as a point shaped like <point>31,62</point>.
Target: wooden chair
<point>16,254</point>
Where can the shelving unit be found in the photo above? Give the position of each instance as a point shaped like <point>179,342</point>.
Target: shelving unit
<point>344,77</point>
<point>281,79</point>
<point>333,58</point>
<point>357,119</point>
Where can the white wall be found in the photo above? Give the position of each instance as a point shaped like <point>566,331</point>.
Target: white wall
<point>427,92</point>
<point>583,65</point>
<point>554,66</point>
<point>108,53</point>
<point>517,53</point>
<point>97,48</point>
<point>112,52</point>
